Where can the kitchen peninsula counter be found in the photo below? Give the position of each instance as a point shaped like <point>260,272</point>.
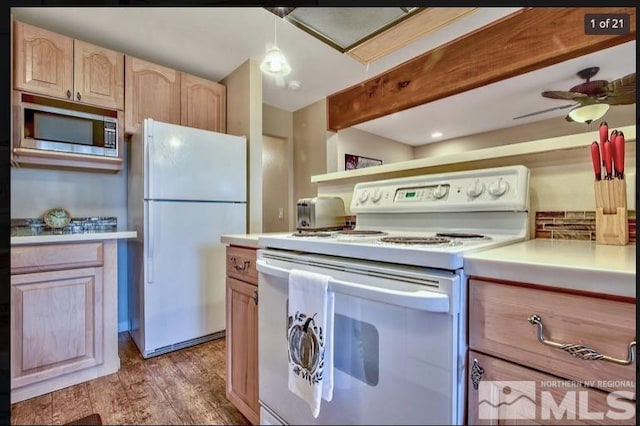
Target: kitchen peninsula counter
<point>65,238</point>
<point>246,240</point>
<point>64,305</point>
<point>582,266</point>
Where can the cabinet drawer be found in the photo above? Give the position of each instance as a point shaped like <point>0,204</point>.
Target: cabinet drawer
<point>241,264</point>
<point>501,392</point>
<point>499,325</point>
<point>52,257</point>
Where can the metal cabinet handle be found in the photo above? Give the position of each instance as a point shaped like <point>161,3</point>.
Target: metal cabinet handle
<point>255,296</point>
<point>78,95</point>
<point>238,267</point>
<point>68,94</point>
<point>476,373</point>
<point>581,351</point>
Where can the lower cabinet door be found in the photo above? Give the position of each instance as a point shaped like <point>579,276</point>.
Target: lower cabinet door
<point>504,393</point>
<point>242,347</point>
<point>56,324</point>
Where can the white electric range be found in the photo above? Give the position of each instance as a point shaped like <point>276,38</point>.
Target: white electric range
<point>400,305</point>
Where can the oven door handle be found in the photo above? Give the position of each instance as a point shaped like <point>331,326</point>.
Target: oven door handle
<point>423,300</point>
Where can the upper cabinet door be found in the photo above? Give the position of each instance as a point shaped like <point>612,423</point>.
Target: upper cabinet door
<point>203,104</point>
<point>151,91</point>
<point>43,61</point>
<point>98,75</point>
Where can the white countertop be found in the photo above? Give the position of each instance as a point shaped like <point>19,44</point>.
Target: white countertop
<point>247,240</point>
<point>65,238</point>
<point>576,265</point>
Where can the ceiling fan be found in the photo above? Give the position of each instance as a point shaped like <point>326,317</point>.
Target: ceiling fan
<point>621,91</point>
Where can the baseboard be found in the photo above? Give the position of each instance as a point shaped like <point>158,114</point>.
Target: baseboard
<point>123,326</point>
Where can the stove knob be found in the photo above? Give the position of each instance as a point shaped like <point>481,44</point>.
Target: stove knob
<point>363,196</point>
<point>377,195</point>
<point>440,192</point>
<point>498,188</point>
<point>475,190</point>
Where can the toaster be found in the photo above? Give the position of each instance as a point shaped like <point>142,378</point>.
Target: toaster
<point>320,213</point>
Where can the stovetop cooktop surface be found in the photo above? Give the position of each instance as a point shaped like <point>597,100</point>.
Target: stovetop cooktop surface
<point>440,249</point>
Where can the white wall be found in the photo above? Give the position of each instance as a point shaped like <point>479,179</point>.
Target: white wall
<point>310,148</point>
<point>244,118</point>
<point>278,123</point>
<point>365,144</point>
<point>84,194</point>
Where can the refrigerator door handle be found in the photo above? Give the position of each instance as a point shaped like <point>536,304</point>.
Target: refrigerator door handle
<point>150,245</point>
<point>147,157</point>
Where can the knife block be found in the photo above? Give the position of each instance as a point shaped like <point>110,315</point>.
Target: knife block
<point>612,225</point>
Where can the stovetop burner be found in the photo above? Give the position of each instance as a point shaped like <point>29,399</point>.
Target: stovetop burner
<point>311,234</point>
<point>463,235</point>
<point>418,240</point>
<point>362,232</point>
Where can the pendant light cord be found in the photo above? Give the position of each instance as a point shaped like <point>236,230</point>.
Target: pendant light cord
<point>275,32</point>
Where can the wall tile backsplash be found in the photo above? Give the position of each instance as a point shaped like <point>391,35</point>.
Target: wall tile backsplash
<point>574,225</point>
<point>561,225</point>
<point>78,225</point>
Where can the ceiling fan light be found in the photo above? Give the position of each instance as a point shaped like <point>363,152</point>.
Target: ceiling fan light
<point>588,113</point>
<point>275,63</point>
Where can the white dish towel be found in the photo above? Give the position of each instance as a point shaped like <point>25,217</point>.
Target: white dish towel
<point>310,337</point>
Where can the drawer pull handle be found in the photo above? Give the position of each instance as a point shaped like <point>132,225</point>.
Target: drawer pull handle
<point>476,373</point>
<point>255,297</point>
<point>238,267</point>
<point>581,351</point>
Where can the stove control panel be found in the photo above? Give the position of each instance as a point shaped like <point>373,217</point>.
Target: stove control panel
<point>496,189</point>
<point>426,193</point>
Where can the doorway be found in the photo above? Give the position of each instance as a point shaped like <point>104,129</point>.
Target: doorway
<point>276,184</point>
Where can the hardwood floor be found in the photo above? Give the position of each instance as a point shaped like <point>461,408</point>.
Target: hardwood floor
<point>182,387</point>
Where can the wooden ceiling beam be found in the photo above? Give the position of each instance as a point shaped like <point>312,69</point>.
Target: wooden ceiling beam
<point>525,41</point>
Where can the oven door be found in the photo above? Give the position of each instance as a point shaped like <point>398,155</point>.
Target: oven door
<point>397,349</point>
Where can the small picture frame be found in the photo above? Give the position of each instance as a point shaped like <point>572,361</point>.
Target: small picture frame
<point>352,162</point>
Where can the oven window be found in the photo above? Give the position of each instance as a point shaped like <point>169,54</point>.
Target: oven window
<point>356,349</point>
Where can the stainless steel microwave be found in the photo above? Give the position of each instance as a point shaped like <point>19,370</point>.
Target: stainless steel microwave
<point>52,128</point>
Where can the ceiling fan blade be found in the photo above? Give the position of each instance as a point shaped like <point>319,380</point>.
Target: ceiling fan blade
<point>559,94</point>
<point>621,91</point>
<point>543,111</point>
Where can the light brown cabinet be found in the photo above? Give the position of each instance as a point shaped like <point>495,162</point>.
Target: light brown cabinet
<point>57,323</point>
<point>63,315</point>
<point>54,65</point>
<point>171,96</point>
<point>242,331</point>
<point>512,394</point>
<point>203,104</point>
<point>515,378</point>
<point>151,91</point>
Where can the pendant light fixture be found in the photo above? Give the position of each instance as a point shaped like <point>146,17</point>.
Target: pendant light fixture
<point>274,62</point>
<point>588,113</point>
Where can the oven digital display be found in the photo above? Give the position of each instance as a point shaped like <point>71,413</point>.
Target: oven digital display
<point>405,195</point>
<point>431,193</point>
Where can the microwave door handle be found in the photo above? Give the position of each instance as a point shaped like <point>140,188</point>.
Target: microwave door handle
<point>423,300</point>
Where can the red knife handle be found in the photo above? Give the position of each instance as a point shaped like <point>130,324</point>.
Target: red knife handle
<point>608,166</point>
<point>595,159</point>
<point>618,152</point>
<point>604,132</point>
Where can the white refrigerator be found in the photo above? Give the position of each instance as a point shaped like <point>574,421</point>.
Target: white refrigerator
<point>186,188</point>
